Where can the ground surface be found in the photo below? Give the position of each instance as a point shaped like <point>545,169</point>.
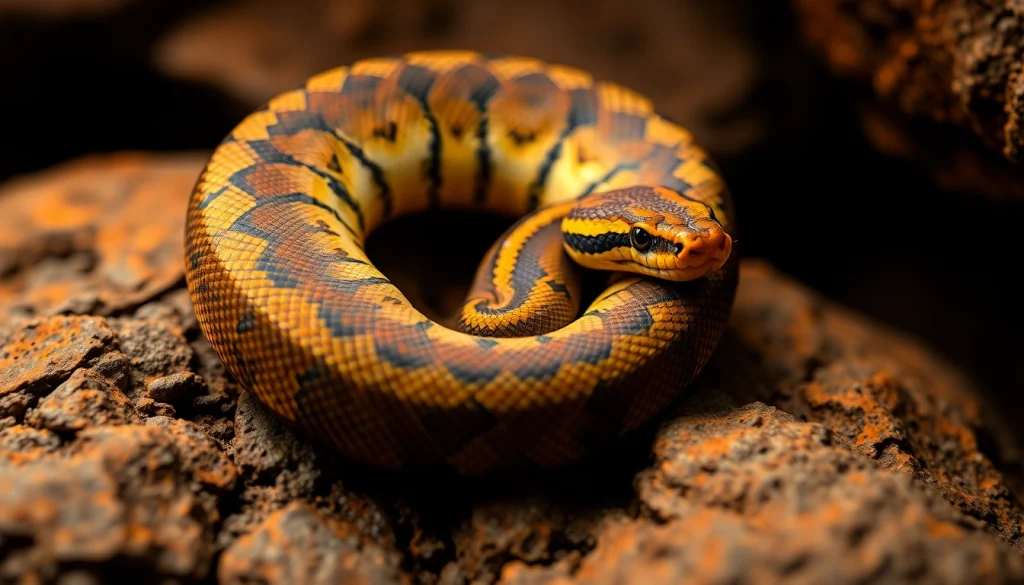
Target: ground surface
<point>817,446</point>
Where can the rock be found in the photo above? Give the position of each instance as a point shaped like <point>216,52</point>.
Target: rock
<point>254,50</point>
<point>156,349</point>
<point>175,388</point>
<point>715,546</point>
<point>55,511</point>
<point>817,446</point>
<point>946,76</point>
<point>96,235</point>
<point>23,443</point>
<point>202,456</point>
<point>85,399</point>
<point>892,400</point>
<point>268,451</point>
<point>44,353</point>
<point>121,500</point>
<point>280,467</point>
<point>296,545</point>
<point>530,531</point>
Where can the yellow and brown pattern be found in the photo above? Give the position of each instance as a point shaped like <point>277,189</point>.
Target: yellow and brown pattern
<point>288,298</point>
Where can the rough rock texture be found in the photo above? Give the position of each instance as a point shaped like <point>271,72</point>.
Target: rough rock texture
<point>256,49</point>
<point>96,235</point>
<point>951,63</point>
<point>817,447</point>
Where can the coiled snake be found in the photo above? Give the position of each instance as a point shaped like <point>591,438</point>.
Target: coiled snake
<point>288,298</point>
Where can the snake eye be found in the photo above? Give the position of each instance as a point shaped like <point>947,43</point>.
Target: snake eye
<point>639,239</point>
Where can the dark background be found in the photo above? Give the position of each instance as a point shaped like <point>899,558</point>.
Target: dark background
<point>814,198</point>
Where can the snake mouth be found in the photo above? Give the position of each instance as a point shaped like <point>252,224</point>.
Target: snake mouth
<point>692,272</point>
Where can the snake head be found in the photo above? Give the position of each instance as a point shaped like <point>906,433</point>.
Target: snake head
<point>646,230</point>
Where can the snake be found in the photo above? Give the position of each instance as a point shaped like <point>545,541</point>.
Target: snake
<point>539,370</point>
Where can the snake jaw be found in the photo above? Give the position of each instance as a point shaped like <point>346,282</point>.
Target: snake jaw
<point>687,265</point>
<point>701,252</point>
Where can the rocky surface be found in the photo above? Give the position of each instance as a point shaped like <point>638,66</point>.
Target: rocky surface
<point>817,447</point>
<point>946,76</point>
<point>255,49</point>
<point>96,235</point>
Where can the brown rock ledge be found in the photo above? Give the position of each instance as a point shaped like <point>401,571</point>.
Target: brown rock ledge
<point>947,78</point>
<point>693,59</point>
<point>95,235</point>
<point>817,447</point>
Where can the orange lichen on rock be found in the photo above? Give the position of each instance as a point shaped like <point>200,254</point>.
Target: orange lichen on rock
<point>96,235</point>
<point>42,352</point>
<point>816,447</point>
<point>297,545</point>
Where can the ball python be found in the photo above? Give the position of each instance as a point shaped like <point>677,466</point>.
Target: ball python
<point>534,375</point>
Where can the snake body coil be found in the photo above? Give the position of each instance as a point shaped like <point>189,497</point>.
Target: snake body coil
<point>286,295</point>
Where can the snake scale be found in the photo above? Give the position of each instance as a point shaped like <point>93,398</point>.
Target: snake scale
<point>534,375</point>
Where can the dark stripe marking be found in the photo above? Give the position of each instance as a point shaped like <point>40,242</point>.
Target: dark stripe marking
<point>486,343</point>
<point>241,181</point>
<point>558,287</point>
<point>625,127</point>
<point>334,164</point>
<point>541,371</point>
<point>597,244</point>
<point>473,372</point>
<point>487,85</point>
<point>527,271</point>
<point>362,88</point>
<point>608,176</point>
<point>278,270</point>
<point>247,323</point>
<point>271,154</point>
<point>336,314</point>
<point>291,123</point>
<point>582,111</point>
<point>418,82</point>
<point>211,196</point>
<point>483,157</point>
<point>474,420</point>
<point>413,350</point>
<point>545,169</point>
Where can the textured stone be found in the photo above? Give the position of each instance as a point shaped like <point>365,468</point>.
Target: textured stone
<point>156,349</point>
<point>85,399</point>
<point>296,545</point>
<point>817,447</point>
<point>96,235</point>
<point>120,495</point>
<point>46,352</point>
<point>256,49</point>
<point>714,546</point>
<point>947,77</point>
<point>23,443</point>
<point>175,388</point>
